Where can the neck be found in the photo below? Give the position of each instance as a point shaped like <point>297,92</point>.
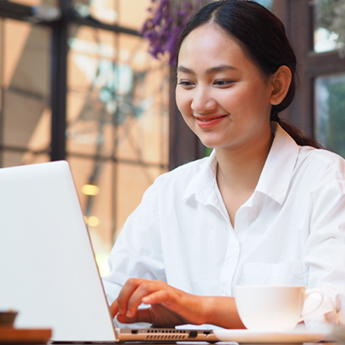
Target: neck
<point>240,168</point>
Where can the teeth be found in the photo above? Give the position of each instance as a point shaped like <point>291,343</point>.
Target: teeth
<point>214,118</point>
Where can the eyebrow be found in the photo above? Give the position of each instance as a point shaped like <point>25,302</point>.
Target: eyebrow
<point>211,70</point>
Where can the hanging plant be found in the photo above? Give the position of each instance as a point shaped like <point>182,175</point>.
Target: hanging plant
<point>166,21</point>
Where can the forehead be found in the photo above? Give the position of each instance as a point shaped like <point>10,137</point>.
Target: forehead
<point>210,45</point>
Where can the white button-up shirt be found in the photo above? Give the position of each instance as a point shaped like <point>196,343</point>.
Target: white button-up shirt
<point>291,231</point>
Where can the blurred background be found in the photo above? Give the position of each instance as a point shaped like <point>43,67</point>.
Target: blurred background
<point>77,83</point>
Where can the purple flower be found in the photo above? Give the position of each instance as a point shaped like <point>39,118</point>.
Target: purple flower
<point>165,24</point>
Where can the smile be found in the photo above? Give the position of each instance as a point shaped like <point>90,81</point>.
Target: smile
<point>209,119</point>
<point>208,122</point>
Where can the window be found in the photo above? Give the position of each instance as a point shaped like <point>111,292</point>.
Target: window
<point>266,3</point>
<point>330,112</point>
<point>316,36</point>
<point>77,83</point>
<point>329,87</point>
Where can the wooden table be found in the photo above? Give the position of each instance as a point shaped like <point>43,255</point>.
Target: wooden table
<point>10,335</point>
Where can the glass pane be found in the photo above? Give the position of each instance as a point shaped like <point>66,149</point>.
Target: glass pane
<point>133,13</point>
<point>13,158</point>
<point>126,13</point>
<point>117,104</point>
<point>266,3</point>
<point>26,122</point>
<point>26,115</point>
<point>330,112</point>
<point>93,181</point>
<point>103,10</point>
<point>142,111</point>
<point>91,87</point>
<point>327,25</point>
<point>132,181</point>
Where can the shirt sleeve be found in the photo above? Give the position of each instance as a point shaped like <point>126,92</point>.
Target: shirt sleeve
<point>137,251</point>
<point>325,252</point>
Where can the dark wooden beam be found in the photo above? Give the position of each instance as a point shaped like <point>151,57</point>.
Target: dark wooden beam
<point>184,145</point>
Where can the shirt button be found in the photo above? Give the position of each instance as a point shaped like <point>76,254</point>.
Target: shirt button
<point>234,250</point>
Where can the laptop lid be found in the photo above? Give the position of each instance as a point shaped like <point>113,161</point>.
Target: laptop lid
<point>47,268</point>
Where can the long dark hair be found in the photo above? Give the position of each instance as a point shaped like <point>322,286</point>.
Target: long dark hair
<point>263,39</point>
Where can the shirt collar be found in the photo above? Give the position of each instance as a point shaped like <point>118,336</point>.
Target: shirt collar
<point>274,179</point>
<point>204,182</point>
<point>278,169</point>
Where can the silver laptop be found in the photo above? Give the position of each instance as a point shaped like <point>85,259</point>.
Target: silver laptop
<point>48,272</point>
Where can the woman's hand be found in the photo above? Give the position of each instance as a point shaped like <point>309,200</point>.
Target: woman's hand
<point>171,307</point>
<point>168,306</point>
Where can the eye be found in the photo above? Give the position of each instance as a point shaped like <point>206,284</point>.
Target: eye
<point>223,83</point>
<point>186,84</point>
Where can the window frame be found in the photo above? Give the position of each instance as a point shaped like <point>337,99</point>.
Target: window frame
<point>310,64</point>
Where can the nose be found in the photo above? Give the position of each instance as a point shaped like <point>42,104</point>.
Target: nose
<point>203,102</point>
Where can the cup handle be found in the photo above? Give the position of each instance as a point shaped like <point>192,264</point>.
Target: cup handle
<point>307,294</point>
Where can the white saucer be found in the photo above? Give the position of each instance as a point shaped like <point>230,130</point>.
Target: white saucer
<point>246,336</point>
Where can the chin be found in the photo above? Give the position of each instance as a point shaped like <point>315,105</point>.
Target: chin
<point>212,144</point>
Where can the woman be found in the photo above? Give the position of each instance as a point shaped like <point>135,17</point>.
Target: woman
<point>265,208</point>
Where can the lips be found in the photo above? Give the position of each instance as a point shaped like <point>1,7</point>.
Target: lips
<point>209,121</point>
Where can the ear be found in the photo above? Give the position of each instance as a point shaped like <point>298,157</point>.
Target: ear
<point>281,81</point>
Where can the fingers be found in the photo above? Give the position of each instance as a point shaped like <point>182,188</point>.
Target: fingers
<point>189,308</point>
<point>126,294</point>
<point>166,303</point>
<point>158,297</point>
<point>142,315</point>
<point>114,308</point>
<point>132,294</point>
<point>157,315</point>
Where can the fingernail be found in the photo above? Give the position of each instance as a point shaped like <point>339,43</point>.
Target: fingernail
<point>129,314</point>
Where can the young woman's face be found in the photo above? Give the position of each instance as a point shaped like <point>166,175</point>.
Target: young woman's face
<point>220,92</point>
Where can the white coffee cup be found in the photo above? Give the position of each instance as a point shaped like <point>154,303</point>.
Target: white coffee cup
<point>272,308</point>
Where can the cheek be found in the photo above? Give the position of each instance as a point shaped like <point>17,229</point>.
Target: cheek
<point>234,100</point>
<point>253,99</point>
<point>182,101</point>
